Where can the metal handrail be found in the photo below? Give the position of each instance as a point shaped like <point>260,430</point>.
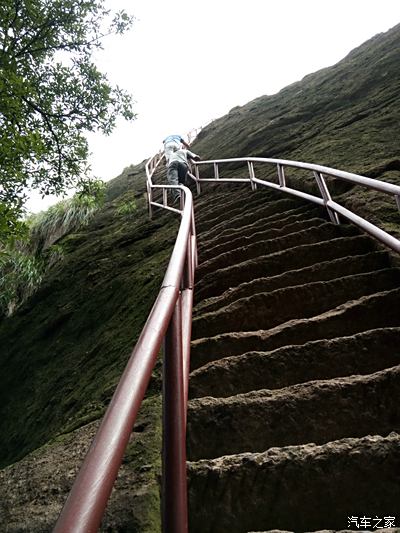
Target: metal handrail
<point>169,320</point>
<point>319,173</point>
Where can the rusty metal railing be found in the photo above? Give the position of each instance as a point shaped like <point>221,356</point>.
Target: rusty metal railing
<point>169,320</point>
<point>319,173</point>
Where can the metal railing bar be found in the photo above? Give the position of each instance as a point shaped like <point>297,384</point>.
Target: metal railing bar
<point>323,189</point>
<point>174,491</point>
<point>176,264</point>
<point>223,180</point>
<point>281,175</point>
<point>187,306</point>
<point>84,507</point>
<point>170,319</point>
<point>216,172</point>
<point>167,207</point>
<point>371,183</point>
<point>319,172</point>
<point>293,192</point>
<point>370,228</point>
<point>288,190</point>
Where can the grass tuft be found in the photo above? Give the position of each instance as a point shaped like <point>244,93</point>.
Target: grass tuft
<point>24,263</point>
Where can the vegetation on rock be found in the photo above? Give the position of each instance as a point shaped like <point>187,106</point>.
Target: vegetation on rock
<point>65,348</point>
<point>51,93</point>
<point>24,262</point>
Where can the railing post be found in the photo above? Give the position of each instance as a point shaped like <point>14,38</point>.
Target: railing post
<point>252,175</point>
<point>397,197</point>
<point>281,176</point>
<point>198,185</point>
<point>174,487</point>
<point>149,199</point>
<point>323,188</point>
<point>216,172</point>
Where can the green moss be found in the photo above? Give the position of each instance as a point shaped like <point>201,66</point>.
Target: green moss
<point>66,348</point>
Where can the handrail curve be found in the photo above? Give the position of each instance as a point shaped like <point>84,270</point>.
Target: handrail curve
<point>169,320</point>
<point>319,172</point>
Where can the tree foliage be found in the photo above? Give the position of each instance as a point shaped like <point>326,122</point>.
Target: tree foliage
<point>51,94</point>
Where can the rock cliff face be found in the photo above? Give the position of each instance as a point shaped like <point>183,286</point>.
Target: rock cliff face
<point>295,370</point>
<point>293,422</point>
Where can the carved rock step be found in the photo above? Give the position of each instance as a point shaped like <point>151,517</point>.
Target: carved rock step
<point>215,283</point>
<point>363,353</point>
<point>327,270</point>
<point>221,193</point>
<point>214,209</point>
<point>242,216</point>
<point>270,225</point>
<point>316,411</point>
<point>297,488</point>
<point>257,234</point>
<point>317,230</point>
<point>368,312</point>
<point>276,220</point>
<point>214,198</point>
<point>267,310</point>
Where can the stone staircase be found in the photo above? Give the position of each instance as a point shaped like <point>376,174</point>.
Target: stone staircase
<point>293,416</point>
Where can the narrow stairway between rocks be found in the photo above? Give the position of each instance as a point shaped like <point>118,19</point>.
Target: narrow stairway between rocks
<point>293,416</point>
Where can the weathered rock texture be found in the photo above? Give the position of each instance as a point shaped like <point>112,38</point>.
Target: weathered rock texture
<point>296,331</point>
<point>293,422</point>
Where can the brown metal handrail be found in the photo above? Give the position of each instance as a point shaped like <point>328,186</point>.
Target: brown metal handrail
<point>169,319</point>
<point>319,173</point>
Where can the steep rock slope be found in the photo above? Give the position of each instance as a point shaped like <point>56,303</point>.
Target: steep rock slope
<point>345,116</point>
<point>295,370</point>
<point>62,354</point>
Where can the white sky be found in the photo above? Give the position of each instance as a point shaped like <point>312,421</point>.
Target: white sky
<point>186,63</point>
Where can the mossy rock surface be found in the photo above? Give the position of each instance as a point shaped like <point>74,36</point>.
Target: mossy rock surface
<point>345,117</point>
<point>63,352</point>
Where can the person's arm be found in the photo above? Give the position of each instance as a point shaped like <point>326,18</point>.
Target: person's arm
<point>185,144</point>
<point>193,156</point>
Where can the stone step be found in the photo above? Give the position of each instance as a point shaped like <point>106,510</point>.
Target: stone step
<point>316,231</point>
<point>325,271</point>
<point>242,216</point>
<point>215,209</point>
<point>275,221</point>
<point>316,411</point>
<point>362,353</point>
<point>215,283</point>
<point>269,225</point>
<point>297,488</point>
<point>267,310</point>
<point>251,236</point>
<point>368,312</point>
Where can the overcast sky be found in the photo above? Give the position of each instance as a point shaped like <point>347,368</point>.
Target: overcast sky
<point>186,63</point>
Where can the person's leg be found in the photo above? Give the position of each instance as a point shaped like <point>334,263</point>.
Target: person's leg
<point>182,172</point>
<point>173,178</point>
